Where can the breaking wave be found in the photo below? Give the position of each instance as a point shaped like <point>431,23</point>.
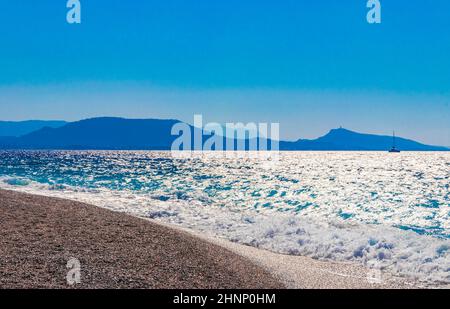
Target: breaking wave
<point>389,213</point>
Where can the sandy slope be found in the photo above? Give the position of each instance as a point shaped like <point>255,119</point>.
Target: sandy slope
<point>39,235</point>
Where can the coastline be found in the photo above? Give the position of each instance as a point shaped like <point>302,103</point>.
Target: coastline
<point>39,235</point>
<point>131,252</point>
<point>302,272</point>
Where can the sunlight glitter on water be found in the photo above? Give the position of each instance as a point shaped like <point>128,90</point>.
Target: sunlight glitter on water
<point>388,211</point>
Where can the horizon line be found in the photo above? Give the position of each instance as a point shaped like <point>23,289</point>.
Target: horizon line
<point>173,119</point>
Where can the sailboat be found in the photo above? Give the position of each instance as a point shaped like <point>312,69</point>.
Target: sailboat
<point>394,149</point>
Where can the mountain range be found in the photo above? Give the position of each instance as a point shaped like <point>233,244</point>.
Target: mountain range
<point>108,133</point>
<point>19,128</point>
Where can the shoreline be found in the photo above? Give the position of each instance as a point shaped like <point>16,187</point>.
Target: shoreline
<point>39,235</point>
<point>302,272</point>
<point>278,270</point>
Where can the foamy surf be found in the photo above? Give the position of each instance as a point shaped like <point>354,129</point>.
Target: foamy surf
<point>402,253</point>
<point>401,231</point>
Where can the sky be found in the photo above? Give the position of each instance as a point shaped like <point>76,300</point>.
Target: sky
<point>309,65</point>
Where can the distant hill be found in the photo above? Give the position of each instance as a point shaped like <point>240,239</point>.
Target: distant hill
<point>343,139</point>
<point>101,133</point>
<point>19,128</point>
<point>109,133</point>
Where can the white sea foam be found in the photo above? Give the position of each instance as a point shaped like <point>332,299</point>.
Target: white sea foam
<point>402,253</point>
<point>345,207</point>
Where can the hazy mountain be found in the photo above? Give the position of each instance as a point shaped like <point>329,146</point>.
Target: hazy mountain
<point>102,133</point>
<point>19,128</point>
<point>153,134</point>
<point>343,139</point>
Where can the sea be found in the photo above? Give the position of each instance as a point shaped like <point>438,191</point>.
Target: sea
<point>385,211</point>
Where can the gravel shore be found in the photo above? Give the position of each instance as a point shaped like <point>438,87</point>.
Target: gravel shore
<point>39,235</point>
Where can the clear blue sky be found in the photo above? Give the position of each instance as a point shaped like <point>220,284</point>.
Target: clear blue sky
<point>310,65</point>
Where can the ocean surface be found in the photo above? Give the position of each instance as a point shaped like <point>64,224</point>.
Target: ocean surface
<point>386,211</point>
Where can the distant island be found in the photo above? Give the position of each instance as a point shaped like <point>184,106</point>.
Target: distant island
<point>346,140</point>
<point>109,133</point>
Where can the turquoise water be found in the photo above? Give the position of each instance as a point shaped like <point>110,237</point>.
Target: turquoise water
<point>384,210</point>
<point>293,188</point>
